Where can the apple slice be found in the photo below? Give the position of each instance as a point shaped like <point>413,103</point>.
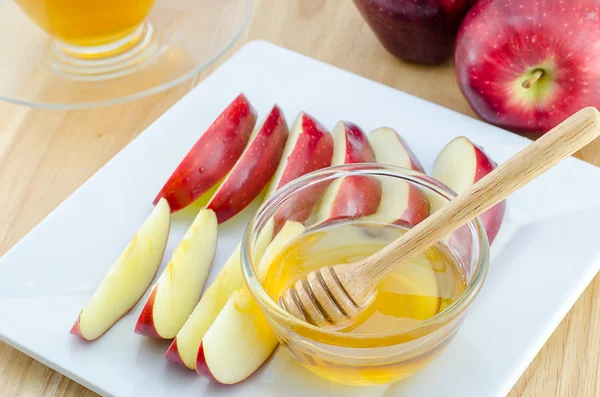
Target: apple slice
<point>459,165</point>
<point>179,287</point>
<point>354,196</point>
<point>244,183</point>
<point>309,148</point>
<point>211,158</point>
<point>254,169</point>
<point>241,330</point>
<point>184,349</point>
<point>390,148</point>
<point>129,278</point>
<point>237,343</point>
<point>401,203</point>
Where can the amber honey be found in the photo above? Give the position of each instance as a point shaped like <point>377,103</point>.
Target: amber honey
<point>87,22</point>
<point>414,293</point>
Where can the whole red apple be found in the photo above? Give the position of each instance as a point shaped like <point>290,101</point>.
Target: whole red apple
<point>421,31</point>
<point>527,65</point>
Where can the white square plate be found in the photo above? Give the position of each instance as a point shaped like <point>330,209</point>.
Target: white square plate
<point>545,255</point>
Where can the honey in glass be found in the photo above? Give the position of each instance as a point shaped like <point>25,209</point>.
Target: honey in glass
<point>87,22</point>
<point>417,291</point>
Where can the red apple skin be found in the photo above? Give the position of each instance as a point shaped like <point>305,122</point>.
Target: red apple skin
<point>212,157</point>
<point>501,43</point>
<point>358,196</point>
<point>399,154</point>
<point>173,354</point>
<point>313,150</point>
<point>421,31</point>
<point>145,324</point>
<point>254,169</point>
<point>461,239</point>
<point>298,207</point>
<point>417,211</point>
<point>492,218</point>
<point>75,329</point>
<point>419,208</point>
<point>202,367</point>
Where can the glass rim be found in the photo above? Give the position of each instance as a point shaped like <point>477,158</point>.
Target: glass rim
<point>273,203</point>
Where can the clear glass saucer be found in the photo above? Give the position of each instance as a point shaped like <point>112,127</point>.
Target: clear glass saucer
<point>179,39</point>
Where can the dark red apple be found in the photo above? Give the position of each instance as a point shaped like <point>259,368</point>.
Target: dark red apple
<point>527,65</point>
<point>421,31</point>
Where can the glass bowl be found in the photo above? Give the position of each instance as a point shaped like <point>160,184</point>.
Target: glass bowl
<point>366,359</point>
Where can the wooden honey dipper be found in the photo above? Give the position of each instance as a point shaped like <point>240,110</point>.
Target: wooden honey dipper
<point>332,294</point>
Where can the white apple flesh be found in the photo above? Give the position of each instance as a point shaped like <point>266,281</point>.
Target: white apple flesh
<point>237,343</point>
<point>178,289</point>
<point>129,278</point>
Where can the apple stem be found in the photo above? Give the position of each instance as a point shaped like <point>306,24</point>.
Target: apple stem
<point>535,76</point>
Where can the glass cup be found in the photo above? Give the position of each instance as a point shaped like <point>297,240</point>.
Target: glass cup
<point>90,23</point>
<point>93,29</point>
<point>71,54</point>
<point>366,359</point>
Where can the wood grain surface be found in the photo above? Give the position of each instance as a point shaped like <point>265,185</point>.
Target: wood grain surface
<point>46,154</point>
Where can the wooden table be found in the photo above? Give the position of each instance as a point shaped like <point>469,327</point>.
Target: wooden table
<point>46,154</point>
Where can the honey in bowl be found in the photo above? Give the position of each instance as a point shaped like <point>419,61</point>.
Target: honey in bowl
<point>87,22</point>
<point>414,293</point>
